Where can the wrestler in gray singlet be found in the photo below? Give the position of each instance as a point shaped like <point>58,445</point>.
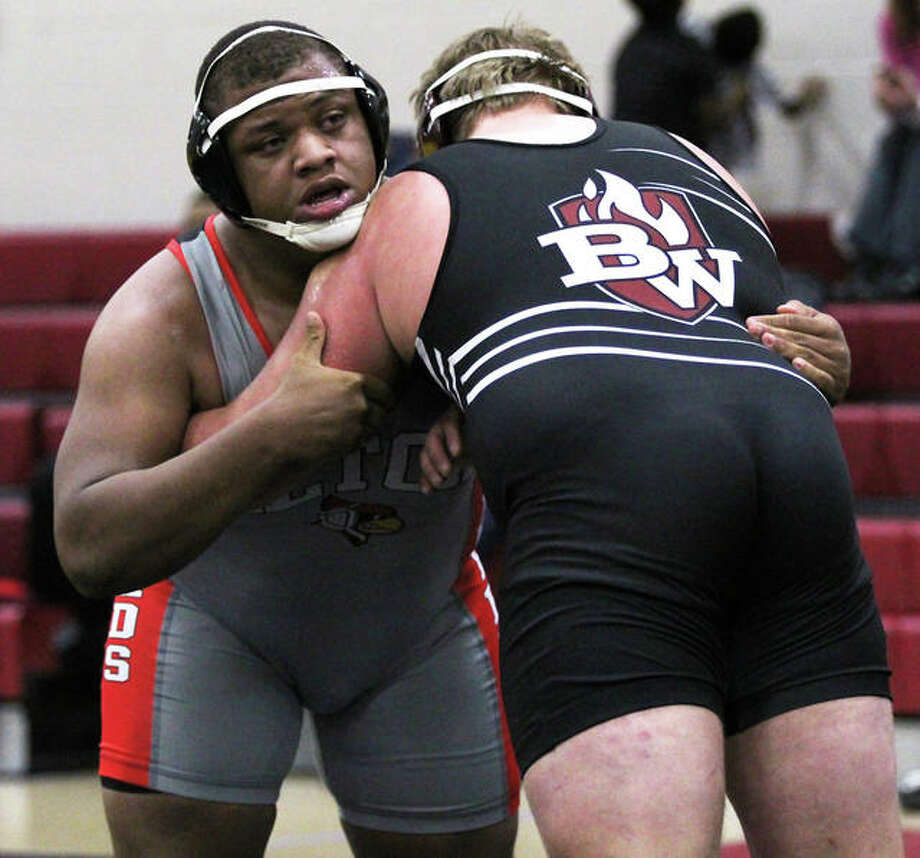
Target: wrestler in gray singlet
<point>356,597</point>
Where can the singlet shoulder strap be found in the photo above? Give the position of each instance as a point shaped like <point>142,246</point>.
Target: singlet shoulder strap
<point>239,343</point>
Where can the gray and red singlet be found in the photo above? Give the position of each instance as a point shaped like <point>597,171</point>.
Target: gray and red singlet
<point>355,597</point>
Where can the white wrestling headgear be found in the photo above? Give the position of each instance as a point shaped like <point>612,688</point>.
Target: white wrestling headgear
<point>431,131</point>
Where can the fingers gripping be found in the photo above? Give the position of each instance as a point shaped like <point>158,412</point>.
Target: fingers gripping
<point>813,341</point>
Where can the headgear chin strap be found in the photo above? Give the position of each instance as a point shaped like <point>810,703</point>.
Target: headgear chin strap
<point>431,131</point>
<point>320,236</point>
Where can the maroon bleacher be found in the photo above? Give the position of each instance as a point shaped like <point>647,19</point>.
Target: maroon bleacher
<point>892,547</point>
<point>72,266</point>
<point>52,285</point>
<point>884,342</point>
<point>882,446</point>
<point>17,441</point>
<point>904,651</point>
<point>43,346</point>
<point>14,546</point>
<point>51,425</point>
<point>803,241</point>
<point>11,645</point>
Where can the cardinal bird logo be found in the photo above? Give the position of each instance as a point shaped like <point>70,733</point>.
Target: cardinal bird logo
<point>357,522</point>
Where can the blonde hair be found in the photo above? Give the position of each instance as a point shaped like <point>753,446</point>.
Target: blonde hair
<point>485,76</point>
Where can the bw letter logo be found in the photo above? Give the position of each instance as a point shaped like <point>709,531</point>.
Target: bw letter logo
<point>644,247</point>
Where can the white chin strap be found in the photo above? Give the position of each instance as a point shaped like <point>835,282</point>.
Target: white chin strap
<point>321,236</point>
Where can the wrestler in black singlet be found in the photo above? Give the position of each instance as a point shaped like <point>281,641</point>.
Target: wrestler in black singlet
<point>678,509</point>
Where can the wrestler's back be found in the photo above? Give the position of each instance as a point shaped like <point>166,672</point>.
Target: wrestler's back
<point>617,410</point>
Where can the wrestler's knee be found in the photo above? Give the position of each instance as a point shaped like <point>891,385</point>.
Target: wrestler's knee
<point>492,841</point>
<point>157,825</point>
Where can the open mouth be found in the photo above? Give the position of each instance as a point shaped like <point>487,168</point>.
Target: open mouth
<point>323,196</point>
<point>324,201</point>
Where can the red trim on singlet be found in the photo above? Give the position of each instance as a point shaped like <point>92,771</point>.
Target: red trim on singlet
<point>471,586</point>
<point>176,250</point>
<point>128,706</point>
<point>227,270</point>
<point>235,287</point>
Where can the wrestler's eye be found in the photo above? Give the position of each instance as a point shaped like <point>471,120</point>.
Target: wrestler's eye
<point>270,144</point>
<point>333,120</point>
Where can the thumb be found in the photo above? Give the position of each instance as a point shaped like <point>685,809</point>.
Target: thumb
<point>314,337</point>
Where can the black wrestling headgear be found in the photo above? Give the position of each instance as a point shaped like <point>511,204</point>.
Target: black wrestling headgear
<point>207,156</point>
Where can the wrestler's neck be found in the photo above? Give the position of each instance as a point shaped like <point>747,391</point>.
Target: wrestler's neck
<point>267,262</point>
<point>534,122</point>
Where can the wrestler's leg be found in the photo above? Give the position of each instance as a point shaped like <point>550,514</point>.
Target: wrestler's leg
<point>157,825</point>
<point>645,785</point>
<point>197,733</point>
<point>818,781</point>
<point>810,764</point>
<point>422,767</point>
<point>493,841</point>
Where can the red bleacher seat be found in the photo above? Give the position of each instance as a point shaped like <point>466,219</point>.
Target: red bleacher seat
<point>892,547</point>
<point>42,348</point>
<point>904,655</point>
<point>881,443</point>
<point>803,241</point>
<point>884,342</point>
<point>900,433</point>
<point>45,266</point>
<point>14,545</point>
<point>11,617</point>
<point>858,427</point>
<point>17,441</point>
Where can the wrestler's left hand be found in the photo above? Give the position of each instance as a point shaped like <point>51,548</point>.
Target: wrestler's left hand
<point>813,341</point>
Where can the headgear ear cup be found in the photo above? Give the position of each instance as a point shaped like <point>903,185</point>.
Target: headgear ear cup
<point>208,159</point>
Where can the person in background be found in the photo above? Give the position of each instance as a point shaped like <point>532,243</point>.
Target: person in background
<point>884,237</point>
<point>736,41</point>
<point>663,75</point>
<point>198,208</point>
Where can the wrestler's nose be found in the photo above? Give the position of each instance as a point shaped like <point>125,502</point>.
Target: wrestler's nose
<point>312,150</point>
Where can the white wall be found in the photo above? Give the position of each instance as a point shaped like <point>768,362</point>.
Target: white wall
<point>95,97</point>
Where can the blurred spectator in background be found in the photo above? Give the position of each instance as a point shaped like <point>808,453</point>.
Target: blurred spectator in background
<point>703,82</point>
<point>884,237</point>
<point>663,75</point>
<point>700,80</point>
<point>736,39</point>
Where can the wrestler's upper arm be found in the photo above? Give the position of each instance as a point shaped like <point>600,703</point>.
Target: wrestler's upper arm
<point>134,393</point>
<point>402,240</point>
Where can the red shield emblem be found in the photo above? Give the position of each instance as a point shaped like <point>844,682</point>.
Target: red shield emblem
<point>655,256</point>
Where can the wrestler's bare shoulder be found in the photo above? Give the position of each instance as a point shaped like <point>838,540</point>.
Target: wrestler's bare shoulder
<point>160,291</point>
